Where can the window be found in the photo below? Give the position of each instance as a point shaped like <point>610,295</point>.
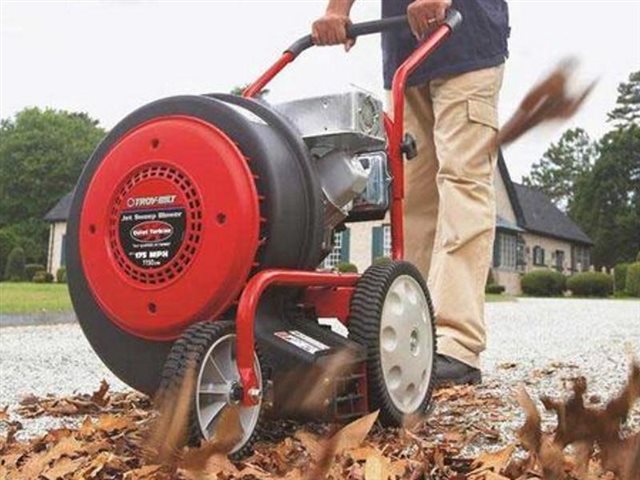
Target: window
<point>380,242</point>
<point>581,258</point>
<point>386,241</point>
<point>340,251</point>
<point>521,259</point>
<point>505,251</point>
<point>559,260</point>
<point>538,256</point>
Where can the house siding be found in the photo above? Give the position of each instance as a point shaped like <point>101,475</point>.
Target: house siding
<point>503,204</point>
<point>57,232</point>
<point>550,246</point>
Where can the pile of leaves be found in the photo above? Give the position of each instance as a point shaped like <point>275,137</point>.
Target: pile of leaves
<point>122,436</point>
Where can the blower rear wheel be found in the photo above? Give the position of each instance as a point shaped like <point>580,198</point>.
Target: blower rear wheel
<point>391,314</point>
<point>210,349</point>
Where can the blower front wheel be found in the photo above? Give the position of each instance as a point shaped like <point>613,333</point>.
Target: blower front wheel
<point>392,316</point>
<point>210,349</point>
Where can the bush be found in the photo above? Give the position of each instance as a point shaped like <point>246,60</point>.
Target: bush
<point>32,268</point>
<point>543,283</point>
<point>381,261</point>
<point>42,277</point>
<point>590,284</point>
<point>346,267</point>
<point>494,288</point>
<point>61,275</point>
<point>620,276</point>
<point>633,280</point>
<point>15,270</point>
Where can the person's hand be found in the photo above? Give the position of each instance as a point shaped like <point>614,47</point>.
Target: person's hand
<point>424,15</point>
<point>331,29</point>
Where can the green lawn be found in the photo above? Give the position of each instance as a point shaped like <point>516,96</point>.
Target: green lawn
<point>33,297</point>
<point>496,297</point>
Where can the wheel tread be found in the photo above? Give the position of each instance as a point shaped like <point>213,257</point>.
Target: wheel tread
<point>364,328</point>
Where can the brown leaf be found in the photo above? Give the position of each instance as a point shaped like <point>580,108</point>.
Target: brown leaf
<point>169,431</point>
<point>148,472</point>
<point>112,423</point>
<point>99,397</point>
<point>375,468</point>
<point>354,433</point>
<point>496,461</point>
<point>228,433</point>
<point>312,443</point>
<point>548,453</point>
<point>530,433</point>
<point>546,101</point>
<point>64,466</point>
<point>4,414</point>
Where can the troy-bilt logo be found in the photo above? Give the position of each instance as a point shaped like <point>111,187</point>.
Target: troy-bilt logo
<point>151,201</point>
<point>151,231</point>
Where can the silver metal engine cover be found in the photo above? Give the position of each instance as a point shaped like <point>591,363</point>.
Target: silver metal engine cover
<point>352,121</point>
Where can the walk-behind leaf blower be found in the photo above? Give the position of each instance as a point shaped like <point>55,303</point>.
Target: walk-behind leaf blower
<point>195,234</point>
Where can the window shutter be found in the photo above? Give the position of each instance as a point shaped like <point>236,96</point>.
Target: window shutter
<point>345,247</point>
<point>542,256</point>
<point>377,242</point>
<point>496,251</point>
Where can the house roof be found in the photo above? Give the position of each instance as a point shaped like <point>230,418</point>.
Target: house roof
<point>505,224</point>
<point>60,212</point>
<point>541,216</point>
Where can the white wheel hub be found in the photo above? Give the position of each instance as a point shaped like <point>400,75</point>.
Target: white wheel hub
<point>214,389</point>
<point>406,344</point>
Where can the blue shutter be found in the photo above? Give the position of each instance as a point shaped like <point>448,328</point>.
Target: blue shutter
<point>345,247</point>
<point>377,242</point>
<point>542,256</point>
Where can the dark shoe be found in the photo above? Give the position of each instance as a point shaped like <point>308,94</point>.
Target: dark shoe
<point>450,371</point>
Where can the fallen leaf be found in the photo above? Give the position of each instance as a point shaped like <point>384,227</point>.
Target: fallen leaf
<point>495,461</point>
<point>354,433</point>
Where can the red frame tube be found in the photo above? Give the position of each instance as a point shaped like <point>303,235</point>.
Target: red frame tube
<point>395,131</point>
<point>256,87</point>
<point>256,286</point>
<point>248,305</point>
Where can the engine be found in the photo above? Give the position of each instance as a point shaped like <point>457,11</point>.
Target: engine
<point>345,135</point>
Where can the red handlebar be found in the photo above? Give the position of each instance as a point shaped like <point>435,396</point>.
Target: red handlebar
<point>452,21</point>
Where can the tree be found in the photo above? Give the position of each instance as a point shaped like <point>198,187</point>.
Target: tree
<point>563,166</point>
<point>15,270</point>
<point>42,153</point>
<point>8,241</point>
<point>627,109</point>
<point>239,89</point>
<point>607,204</point>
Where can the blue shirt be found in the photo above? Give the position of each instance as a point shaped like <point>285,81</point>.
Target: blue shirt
<point>480,42</point>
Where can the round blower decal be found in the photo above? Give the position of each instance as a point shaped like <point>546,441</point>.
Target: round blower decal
<point>151,238</point>
<point>155,224</point>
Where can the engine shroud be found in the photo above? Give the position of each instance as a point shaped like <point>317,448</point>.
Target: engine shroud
<point>178,206</point>
<point>169,245</point>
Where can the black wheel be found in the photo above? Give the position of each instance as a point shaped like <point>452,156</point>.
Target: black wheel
<point>210,349</point>
<point>392,316</point>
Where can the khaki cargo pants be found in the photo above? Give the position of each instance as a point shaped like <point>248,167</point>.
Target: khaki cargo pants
<point>450,201</point>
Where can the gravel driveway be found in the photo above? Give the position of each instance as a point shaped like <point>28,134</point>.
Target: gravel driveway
<point>541,342</point>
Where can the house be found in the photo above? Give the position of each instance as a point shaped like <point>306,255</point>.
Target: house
<point>531,233</point>
<point>57,218</point>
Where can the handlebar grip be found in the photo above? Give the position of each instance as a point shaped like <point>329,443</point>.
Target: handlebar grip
<point>453,20</point>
